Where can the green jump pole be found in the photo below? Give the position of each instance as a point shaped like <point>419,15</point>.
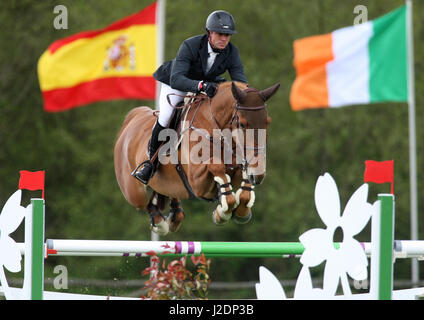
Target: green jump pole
<point>37,257</point>
<point>386,247</point>
<point>382,239</point>
<point>252,248</point>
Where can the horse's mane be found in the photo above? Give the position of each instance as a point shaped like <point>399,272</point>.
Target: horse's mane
<point>227,84</point>
<point>224,93</point>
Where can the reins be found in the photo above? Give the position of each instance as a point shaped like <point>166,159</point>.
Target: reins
<point>235,117</point>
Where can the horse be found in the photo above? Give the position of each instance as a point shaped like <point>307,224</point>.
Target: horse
<point>223,124</point>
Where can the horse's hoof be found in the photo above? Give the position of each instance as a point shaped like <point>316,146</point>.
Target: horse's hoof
<point>220,219</point>
<point>242,220</point>
<point>161,228</point>
<point>172,226</point>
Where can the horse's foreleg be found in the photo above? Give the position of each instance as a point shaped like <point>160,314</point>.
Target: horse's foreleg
<point>223,211</point>
<point>158,223</point>
<point>245,198</point>
<point>176,215</point>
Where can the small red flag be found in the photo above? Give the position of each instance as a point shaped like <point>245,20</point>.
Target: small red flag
<point>379,172</point>
<point>32,180</point>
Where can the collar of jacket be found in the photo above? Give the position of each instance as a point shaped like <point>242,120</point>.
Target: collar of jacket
<point>204,44</point>
<point>204,54</point>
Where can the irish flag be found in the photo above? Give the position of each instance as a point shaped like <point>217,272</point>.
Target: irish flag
<point>116,62</point>
<point>359,64</point>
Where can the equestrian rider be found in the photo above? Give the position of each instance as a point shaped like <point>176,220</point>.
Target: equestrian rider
<point>196,68</point>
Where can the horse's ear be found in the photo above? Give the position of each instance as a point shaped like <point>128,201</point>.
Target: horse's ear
<point>268,93</point>
<point>238,94</point>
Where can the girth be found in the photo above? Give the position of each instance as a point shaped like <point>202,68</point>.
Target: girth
<point>184,179</point>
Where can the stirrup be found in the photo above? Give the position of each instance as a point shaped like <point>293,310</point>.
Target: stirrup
<point>136,172</point>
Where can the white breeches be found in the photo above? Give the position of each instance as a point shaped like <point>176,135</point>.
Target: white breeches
<point>165,109</point>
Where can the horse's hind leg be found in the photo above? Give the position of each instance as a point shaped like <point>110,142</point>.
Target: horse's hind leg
<point>158,222</point>
<point>176,215</point>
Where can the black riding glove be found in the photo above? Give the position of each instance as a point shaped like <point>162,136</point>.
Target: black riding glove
<point>208,87</point>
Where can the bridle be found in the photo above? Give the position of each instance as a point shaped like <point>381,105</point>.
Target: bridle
<point>235,118</point>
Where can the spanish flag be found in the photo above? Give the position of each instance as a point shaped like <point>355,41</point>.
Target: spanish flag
<point>360,64</point>
<point>116,62</point>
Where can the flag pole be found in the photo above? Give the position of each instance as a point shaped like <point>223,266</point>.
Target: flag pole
<point>160,50</point>
<point>412,138</point>
<point>160,36</point>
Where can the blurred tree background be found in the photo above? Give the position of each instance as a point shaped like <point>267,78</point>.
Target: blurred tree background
<point>75,148</point>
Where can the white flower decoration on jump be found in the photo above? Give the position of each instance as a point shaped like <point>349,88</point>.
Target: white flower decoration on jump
<point>304,288</point>
<point>10,256</point>
<point>350,257</point>
<point>347,259</point>
<point>269,288</point>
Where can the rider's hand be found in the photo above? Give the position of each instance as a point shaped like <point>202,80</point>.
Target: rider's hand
<point>208,87</point>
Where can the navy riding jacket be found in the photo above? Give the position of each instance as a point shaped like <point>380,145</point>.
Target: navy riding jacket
<point>188,68</point>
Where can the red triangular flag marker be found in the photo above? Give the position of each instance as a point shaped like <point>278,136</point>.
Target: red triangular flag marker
<point>379,172</point>
<point>32,180</point>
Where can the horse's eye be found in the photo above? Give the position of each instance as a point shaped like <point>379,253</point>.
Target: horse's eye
<point>242,126</point>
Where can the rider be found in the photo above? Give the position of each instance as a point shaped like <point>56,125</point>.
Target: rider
<point>197,68</point>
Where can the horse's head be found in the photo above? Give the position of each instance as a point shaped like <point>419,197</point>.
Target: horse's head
<point>251,120</point>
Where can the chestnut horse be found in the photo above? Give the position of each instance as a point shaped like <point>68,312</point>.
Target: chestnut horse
<point>236,108</point>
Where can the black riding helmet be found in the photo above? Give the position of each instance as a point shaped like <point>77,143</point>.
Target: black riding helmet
<point>221,21</point>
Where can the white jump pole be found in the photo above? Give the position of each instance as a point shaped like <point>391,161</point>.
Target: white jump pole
<point>117,246</point>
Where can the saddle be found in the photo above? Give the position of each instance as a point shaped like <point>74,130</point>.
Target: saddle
<point>176,124</point>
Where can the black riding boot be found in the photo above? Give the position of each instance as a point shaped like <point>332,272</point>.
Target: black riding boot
<point>149,166</point>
